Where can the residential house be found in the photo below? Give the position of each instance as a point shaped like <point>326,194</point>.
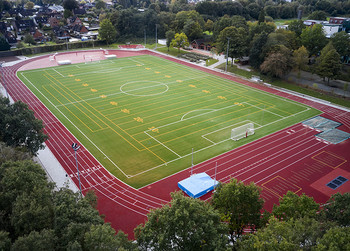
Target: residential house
<point>24,25</point>
<point>74,21</point>
<point>53,22</point>
<point>39,35</point>
<point>201,44</point>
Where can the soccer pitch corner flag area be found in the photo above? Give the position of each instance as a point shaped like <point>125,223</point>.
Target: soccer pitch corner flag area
<point>141,116</point>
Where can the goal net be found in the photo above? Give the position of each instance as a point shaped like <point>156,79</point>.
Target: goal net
<point>92,58</point>
<point>242,131</point>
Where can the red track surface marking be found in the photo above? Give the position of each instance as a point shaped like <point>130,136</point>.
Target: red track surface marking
<point>291,159</point>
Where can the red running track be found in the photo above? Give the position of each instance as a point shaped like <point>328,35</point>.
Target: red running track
<point>291,159</point>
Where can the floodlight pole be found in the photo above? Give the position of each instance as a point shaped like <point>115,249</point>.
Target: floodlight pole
<point>192,163</point>
<point>228,45</point>
<point>3,78</point>
<point>76,147</point>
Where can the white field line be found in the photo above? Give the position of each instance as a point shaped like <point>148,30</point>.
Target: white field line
<point>118,93</point>
<point>76,127</point>
<point>162,144</point>
<point>58,73</point>
<point>132,191</point>
<point>211,110</point>
<point>239,84</point>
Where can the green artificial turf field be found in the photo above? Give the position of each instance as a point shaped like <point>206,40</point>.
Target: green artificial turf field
<point>141,116</point>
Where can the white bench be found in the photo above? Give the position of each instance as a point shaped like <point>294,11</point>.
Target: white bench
<point>110,56</point>
<point>64,62</point>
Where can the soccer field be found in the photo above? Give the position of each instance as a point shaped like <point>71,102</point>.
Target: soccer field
<point>141,116</point>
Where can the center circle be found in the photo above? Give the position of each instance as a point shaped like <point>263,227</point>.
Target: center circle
<point>144,88</point>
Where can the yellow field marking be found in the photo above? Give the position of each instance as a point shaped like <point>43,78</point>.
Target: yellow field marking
<point>77,79</point>
<point>193,86</point>
<point>222,97</point>
<point>125,111</point>
<point>167,76</point>
<point>190,105</point>
<point>147,68</point>
<point>278,195</point>
<point>157,72</point>
<point>67,108</point>
<point>138,119</point>
<point>103,96</point>
<point>113,124</point>
<point>179,81</point>
<point>205,91</point>
<point>240,104</point>
<point>138,65</point>
<point>153,129</point>
<point>70,75</point>
<point>85,84</point>
<point>343,161</point>
<point>93,90</point>
<point>202,128</point>
<point>113,103</point>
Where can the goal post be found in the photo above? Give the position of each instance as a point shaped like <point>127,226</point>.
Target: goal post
<point>242,131</point>
<point>91,58</point>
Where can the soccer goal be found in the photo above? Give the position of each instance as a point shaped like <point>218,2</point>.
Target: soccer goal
<point>92,58</point>
<point>242,131</point>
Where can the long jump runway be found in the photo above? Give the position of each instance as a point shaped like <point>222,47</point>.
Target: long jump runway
<point>291,159</point>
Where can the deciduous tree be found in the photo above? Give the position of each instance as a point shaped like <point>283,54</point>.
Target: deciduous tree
<point>239,205</point>
<point>293,206</point>
<point>328,64</point>
<point>19,126</point>
<point>256,56</point>
<point>41,241</point>
<point>107,31</point>
<point>313,38</point>
<point>336,238</point>
<point>301,58</point>
<point>4,45</point>
<point>277,64</point>
<point>184,224</point>
<point>180,41</point>
<point>170,34</point>
<point>341,42</point>
<point>238,45</point>
<point>337,209</point>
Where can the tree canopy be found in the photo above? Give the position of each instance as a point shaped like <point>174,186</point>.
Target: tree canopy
<point>107,31</point>
<point>21,128</point>
<point>239,205</point>
<point>184,224</point>
<point>180,41</point>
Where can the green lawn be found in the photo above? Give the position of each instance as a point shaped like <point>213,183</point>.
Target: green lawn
<point>141,116</point>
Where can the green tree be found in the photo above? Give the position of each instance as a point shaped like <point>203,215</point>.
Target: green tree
<point>238,45</point>
<point>102,237</point>
<point>337,209</point>
<point>4,45</point>
<point>184,224</point>
<point>170,34</point>
<point>8,153</point>
<point>277,64</point>
<point>239,205</point>
<point>41,241</point>
<point>297,26</point>
<point>318,15</point>
<point>256,55</point>
<point>336,238</point>
<point>29,39</point>
<point>193,30</point>
<point>341,42</point>
<point>293,206</point>
<point>5,241</point>
<point>107,31</point>
<point>29,5</point>
<point>313,38</point>
<point>261,17</point>
<point>70,4</point>
<point>180,41</point>
<point>100,4</point>
<point>294,234</point>
<point>209,25</point>
<point>22,129</point>
<point>328,64</point>
<point>301,58</point>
